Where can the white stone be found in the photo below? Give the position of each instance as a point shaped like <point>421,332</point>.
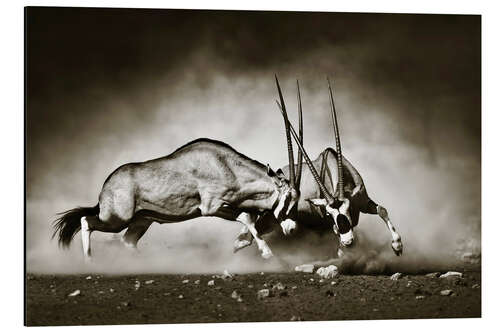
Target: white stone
<point>446,292</point>
<point>279,286</point>
<point>211,283</point>
<point>451,274</point>
<point>328,272</point>
<point>306,268</point>
<point>396,276</point>
<point>74,293</point>
<point>263,293</point>
<point>226,275</point>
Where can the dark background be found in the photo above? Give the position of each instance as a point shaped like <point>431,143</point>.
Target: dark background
<point>109,86</point>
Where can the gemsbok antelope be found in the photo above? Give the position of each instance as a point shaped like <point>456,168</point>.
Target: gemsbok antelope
<point>202,178</point>
<point>332,198</point>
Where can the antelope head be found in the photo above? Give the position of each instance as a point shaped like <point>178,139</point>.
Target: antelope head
<point>292,193</point>
<point>337,209</point>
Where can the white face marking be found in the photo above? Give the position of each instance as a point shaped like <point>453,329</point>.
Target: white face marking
<point>332,211</point>
<point>288,226</point>
<point>347,238</point>
<point>281,205</point>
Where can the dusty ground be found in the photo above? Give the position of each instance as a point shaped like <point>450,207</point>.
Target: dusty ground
<point>116,300</point>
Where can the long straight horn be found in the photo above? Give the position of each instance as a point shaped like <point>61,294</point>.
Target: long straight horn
<point>337,143</point>
<point>301,137</point>
<point>291,164</point>
<point>329,197</point>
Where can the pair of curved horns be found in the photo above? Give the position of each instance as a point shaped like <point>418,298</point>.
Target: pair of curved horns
<point>337,142</point>
<point>294,179</point>
<point>302,151</point>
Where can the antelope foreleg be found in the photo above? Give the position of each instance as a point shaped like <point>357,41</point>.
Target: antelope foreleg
<point>243,239</point>
<point>397,245</point>
<point>249,221</point>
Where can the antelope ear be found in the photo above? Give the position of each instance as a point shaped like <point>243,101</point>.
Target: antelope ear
<point>318,202</point>
<point>270,172</point>
<point>280,173</point>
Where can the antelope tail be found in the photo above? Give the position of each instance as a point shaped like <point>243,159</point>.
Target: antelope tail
<point>69,224</point>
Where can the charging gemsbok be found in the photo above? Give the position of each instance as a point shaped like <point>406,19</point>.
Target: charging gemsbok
<point>202,178</point>
<point>332,198</point>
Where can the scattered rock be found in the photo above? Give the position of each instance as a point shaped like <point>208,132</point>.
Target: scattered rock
<point>126,304</point>
<point>307,268</point>
<point>235,295</point>
<point>433,275</point>
<point>197,282</point>
<point>74,293</point>
<point>261,273</point>
<point>420,297</point>
<point>446,292</point>
<point>111,290</point>
<point>137,285</point>
<point>89,277</point>
<point>295,318</point>
<point>279,286</point>
<point>101,292</point>
<point>211,283</point>
<point>375,310</point>
<point>396,276</point>
<point>328,272</point>
<point>451,274</point>
<point>475,286</point>
<point>166,294</point>
<point>321,281</point>
<point>149,281</point>
<point>294,287</point>
<point>185,281</point>
<point>181,297</point>
<point>226,275</point>
<point>250,286</point>
<point>333,283</point>
<point>329,293</point>
<point>263,293</point>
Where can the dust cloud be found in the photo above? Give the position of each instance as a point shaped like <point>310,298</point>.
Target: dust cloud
<point>413,136</point>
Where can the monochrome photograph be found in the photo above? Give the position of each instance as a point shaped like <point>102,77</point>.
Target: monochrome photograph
<point>230,166</point>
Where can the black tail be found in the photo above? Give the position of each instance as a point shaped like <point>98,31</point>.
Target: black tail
<point>69,223</point>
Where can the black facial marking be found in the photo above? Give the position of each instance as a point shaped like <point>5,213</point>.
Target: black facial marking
<point>343,224</point>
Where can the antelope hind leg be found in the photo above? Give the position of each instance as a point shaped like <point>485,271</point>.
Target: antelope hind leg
<point>85,232</point>
<point>134,232</point>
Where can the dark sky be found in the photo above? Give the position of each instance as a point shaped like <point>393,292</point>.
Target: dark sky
<point>110,86</point>
<point>416,59</point>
